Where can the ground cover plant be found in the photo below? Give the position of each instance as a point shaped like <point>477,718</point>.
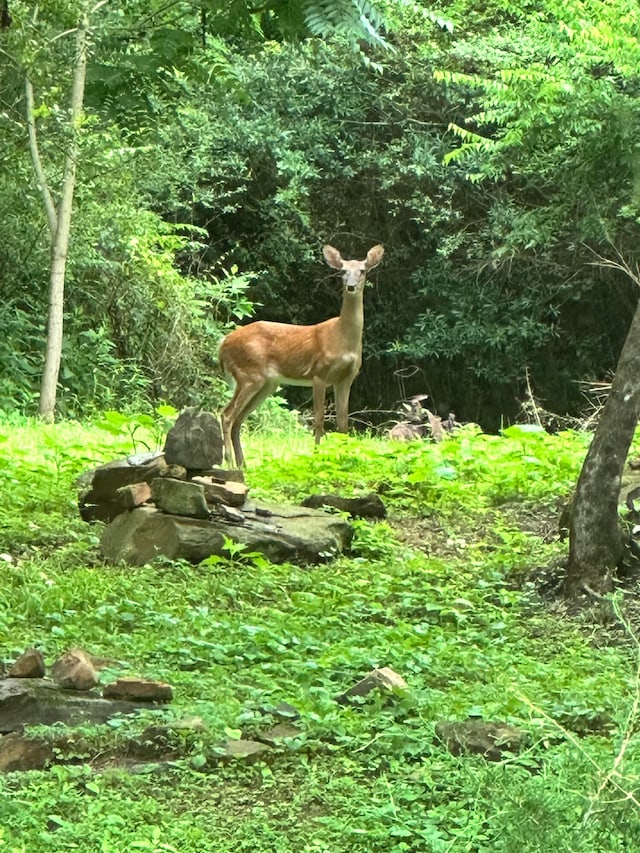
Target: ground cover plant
<point>447,591</point>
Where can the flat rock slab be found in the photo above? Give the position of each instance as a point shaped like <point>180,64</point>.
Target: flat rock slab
<point>282,534</point>
<point>248,751</point>
<point>369,506</point>
<point>138,690</point>
<point>38,701</point>
<point>279,734</point>
<point>481,737</point>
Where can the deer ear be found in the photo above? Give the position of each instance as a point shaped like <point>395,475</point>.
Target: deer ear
<point>374,256</point>
<point>332,257</point>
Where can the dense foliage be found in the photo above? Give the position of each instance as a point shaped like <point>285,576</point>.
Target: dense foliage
<point>447,591</point>
<point>489,148</point>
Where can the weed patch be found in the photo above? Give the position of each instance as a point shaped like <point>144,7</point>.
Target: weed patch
<point>439,592</point>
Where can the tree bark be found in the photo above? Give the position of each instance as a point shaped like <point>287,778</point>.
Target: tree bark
<point>59,223</point>
<point>596,543</point>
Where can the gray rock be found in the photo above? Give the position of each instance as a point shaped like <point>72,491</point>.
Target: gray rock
<point>282,534</point>
<point>39,701</point>
<point>383,678</point>
<point>138,690</point>
<point>18,752</point>
<point>285,711</point>
<point>194,441</point>
<point>179,497</point>
<point>224,475</point>
<point>135,494</point>
<point>230,514</point>
<point>278,734</point>
<point>248,751</point>
<point>369,506</point>
<point>481,737</point>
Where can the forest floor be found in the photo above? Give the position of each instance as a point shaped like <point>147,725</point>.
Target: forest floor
<point>457,592</point>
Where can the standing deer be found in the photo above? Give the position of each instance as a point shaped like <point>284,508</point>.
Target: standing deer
<point>264,355</point>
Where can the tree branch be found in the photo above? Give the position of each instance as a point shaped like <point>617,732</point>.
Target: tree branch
<point>49,203</point>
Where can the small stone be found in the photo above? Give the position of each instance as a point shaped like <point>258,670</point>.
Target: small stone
<point>74,670</point>
<point>177,472</point>
<point>480,737</point>
<point>230,513</point>
<point>179,498</point>
<point>30,664</point>
<point>138,690</point>
<point>224,475</point>
<point>279,733</point>
<point>134,495</point>
<point>285,711</point>
<point>230,493</point>
<point>383,678</point>
<point>18,752</point>
<point>369,506</point>
<point>249,751</point>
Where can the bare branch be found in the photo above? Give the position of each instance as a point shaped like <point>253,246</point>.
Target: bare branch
<point>621,264</point>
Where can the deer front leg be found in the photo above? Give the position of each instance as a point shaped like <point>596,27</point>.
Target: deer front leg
<point>319,392</point>
<point>341,393</point>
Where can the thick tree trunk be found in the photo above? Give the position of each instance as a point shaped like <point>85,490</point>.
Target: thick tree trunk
<point>59,224</point>
<point>595,538</point>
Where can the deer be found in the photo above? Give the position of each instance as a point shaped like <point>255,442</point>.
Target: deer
<point>263,355</point>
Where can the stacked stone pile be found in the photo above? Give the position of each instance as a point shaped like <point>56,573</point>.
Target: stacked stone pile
<point>180,504</point>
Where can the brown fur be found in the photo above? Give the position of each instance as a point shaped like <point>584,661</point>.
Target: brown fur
<point>263,355</point>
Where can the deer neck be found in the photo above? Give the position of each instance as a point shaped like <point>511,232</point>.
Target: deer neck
<point>351,319</point>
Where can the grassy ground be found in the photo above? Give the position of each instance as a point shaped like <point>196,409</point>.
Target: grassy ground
<point>447,592</point>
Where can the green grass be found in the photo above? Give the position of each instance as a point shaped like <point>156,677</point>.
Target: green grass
<point>441,592</point>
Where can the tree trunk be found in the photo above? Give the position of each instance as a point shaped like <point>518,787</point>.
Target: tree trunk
<point>596,543</point>
<point>59,224</point>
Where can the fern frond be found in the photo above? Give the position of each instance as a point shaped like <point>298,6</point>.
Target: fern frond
<point>355,19</point>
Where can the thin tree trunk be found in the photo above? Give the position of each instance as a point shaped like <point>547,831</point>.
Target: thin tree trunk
<point>596,543</point>
<point>60,225</point>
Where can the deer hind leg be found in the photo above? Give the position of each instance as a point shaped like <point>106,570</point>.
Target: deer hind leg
<point>341,392</point>
<point>319,393</point>
<point>247,397</point>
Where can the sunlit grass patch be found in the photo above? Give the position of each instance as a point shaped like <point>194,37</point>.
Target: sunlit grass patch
<point>439,591</point>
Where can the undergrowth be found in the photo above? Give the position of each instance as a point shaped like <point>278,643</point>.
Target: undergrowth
<point>438,591</point>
